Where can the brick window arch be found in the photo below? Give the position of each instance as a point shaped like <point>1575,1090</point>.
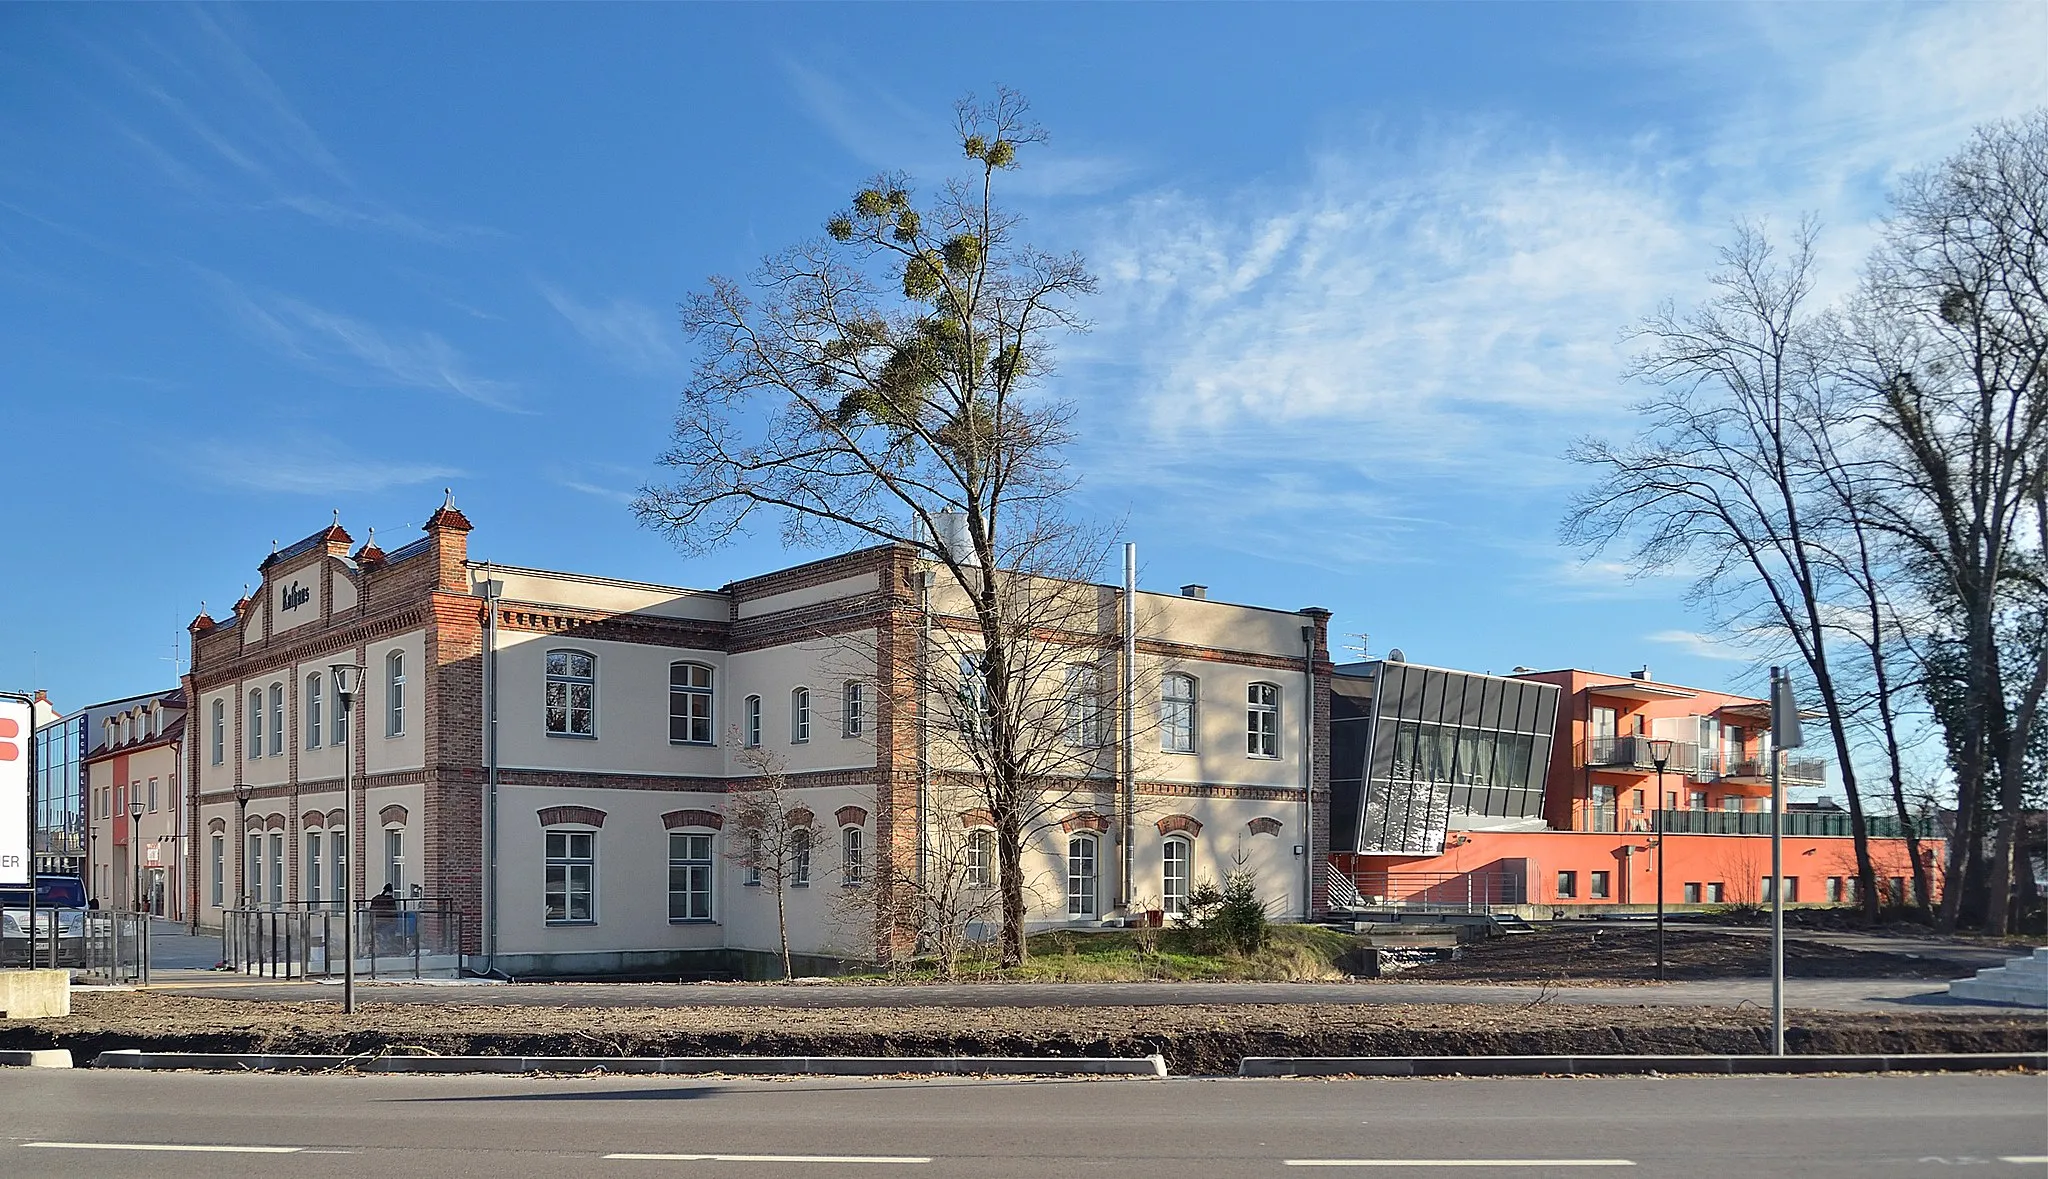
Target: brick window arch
<point>1179,824</point>
<point>571,816</point>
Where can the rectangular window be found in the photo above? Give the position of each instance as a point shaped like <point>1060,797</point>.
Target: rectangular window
<point>220,870</point>
<point>1084,707</point>
<point>1834,890</point>
<point>277,720</point>
<point>252,886</point>
<point>1730,802</point>
<point>800,716</point>
<point>394,860</point>
<point>981,858</point>
<point>1896,887</point>
<point>313,879</point>
<point>277,872</point>
<point>971,707</point>
<point>1262,720</point>
<point>1081,876</point>
<point>1177,714</point>
<point>394,694</point>
<point>1597,886</point>
<point>1716,892</point>
<point>800,858</point>
<point>689,877</point>
<point>753,736</point>
<point>220,732</point>
<point>255,720</point>
<point>571,877</point>
<point>1692,892</point>
<point>689,704</point>
<point>1791,890</point>
<point>856,718</point>
<point>313,711</point>
<point>852,855</point>
<point>1567,885</point>
<point>1636,801</point>
<point>572,694</point>
<point>152,796</point>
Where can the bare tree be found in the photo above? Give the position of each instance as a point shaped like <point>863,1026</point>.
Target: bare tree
<point>1729,478</point>
<point>886,383</point>
<point>772,835</point>
<point>1950,338</point>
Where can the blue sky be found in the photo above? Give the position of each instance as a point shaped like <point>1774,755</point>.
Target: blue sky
<point>1364,273</point>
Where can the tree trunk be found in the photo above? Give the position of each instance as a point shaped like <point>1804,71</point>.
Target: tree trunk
<point>782,926</point>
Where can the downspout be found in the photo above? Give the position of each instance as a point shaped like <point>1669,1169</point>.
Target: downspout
<point>492,590</point>
<point>1129,833</point>
<point>922,678</point>
<point>1308,772</point>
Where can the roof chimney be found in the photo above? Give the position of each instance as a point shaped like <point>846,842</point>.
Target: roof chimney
<point>1640,673</point>
<point>1195,591</point>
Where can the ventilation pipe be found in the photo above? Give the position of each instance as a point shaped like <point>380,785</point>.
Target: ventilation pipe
<point>1130,750</point>
<point>952,537</point>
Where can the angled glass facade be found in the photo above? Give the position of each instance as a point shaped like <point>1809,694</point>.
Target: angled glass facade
<point>1419,751</point>
<point>60,791</point>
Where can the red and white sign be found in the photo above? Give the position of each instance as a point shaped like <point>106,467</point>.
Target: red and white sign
<point>17,728</point>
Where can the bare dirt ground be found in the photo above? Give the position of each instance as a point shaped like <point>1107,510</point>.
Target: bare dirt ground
<point>1195,1039</point>
<point>1610,954</point>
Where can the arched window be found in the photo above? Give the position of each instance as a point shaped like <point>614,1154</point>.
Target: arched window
<point>753,722</point>
<point>1081,863</point>
<point>313,711</point>
<point>1177,714</point>
<point>853,705</point>
<point>572,694</point>
<point>255,722</point>
<point>800,716</point>
<point>1084,706</point>
<point>971,704</point>
<point>1179,857</point>
<point>981,858</point>
<point>689,704</point>
<point>800,858</point>
<point>1262,720</point>
<point>852,856</point>
<point>394,694</point>
<point>277,720</point>
<point>220,732</point>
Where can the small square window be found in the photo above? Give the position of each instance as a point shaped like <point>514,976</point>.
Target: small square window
<point>1567,885</point>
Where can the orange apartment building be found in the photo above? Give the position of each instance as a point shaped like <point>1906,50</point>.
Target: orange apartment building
<point>1432,804</point>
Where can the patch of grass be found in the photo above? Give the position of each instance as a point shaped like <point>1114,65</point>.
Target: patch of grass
<point>1293,953</point>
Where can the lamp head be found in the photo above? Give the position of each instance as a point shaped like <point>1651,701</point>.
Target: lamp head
<point>1660,751</point>
<point>135,810</point>
<point>242,792</point>
<point>345,683</point>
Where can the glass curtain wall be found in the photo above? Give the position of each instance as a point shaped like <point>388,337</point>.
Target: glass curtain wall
<point>60,797</point>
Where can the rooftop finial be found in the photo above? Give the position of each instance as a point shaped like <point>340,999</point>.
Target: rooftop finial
<point>449,502</point>
<point>370,541</point>
<point>273,546</point>
<point>337,517</point>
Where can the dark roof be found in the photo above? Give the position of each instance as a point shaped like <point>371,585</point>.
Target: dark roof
<point>410,551</point>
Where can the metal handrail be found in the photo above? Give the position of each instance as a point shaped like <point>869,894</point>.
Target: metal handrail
<point>1467,892</point>
<point>1799,823</point>
<point>303,939</point>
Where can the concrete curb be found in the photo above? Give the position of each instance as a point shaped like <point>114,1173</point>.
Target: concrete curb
<point>832,1066</point>
<point>37,1058</point>
<point>1618,1066</point>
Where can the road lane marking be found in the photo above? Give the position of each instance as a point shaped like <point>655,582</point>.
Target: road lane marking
<point>2024,1159</point>
<point>162,1146</point>
<point>771,1158</point>
<point>1459,1162</point>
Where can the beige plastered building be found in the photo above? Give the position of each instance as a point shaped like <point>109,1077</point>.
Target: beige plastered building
<point>552,754</point>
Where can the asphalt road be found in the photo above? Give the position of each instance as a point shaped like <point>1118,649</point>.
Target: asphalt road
<point>1859,995</point>
<point>85,1122</point>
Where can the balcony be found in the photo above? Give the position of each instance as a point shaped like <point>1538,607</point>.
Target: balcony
<point>1798,771</point>
<point>1797,823</point>
<point>1633,753</point>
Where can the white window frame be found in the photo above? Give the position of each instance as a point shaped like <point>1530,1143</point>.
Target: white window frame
<point>1174,887</point>
<point>1262,720</point>
<point>277,718</point>
<point>220,870</point>
<point>751,711</point>
<point>800,858</point>
<point>568,683</point>
<point>852,708</point>
<point>696,870</point>
<point>394,865</point>
<point>971,696</point>
<point>394,695</point>
<point>799,716</point>
<point>255,724</point>
<point>220,731</point>
<point>312,841</point>
<point>980,861</point>
<point>1082,694</point>
<point>1177,713</point>
<point>697,700</point>
<point>568,861</point>
<point>313,709</point>
<point>852,856</point>
<point>152,796</point>
<point>277,872</point>
<point>1084,874</point>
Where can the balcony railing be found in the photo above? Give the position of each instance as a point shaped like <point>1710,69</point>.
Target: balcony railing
<point>1633,752</point>
<point>1440,892</point>
<point>1802,823</point>
<point>1798,771</point>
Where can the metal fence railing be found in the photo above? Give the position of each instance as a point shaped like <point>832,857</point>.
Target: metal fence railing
<point>1805,823</point>
<point>1438,892</point>
<point>417,938</point>
<point>116,947</point>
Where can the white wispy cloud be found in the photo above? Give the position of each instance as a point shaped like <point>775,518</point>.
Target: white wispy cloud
<point>631,335</point>
<point>352,351</point>
<point>1705,646</point>
<point>307,464</point>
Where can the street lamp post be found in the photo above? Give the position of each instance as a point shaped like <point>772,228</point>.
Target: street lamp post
<point>135,850</point>
<point>1660,756</point>
<point>346,685</point>
<point>243,791</point>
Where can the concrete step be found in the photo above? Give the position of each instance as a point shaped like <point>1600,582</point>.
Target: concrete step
<point>2021,981</point>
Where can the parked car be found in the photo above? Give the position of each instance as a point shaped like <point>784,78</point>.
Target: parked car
<point>61,905</point>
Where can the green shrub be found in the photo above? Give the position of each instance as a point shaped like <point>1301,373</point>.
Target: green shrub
<point>1230,919</point>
